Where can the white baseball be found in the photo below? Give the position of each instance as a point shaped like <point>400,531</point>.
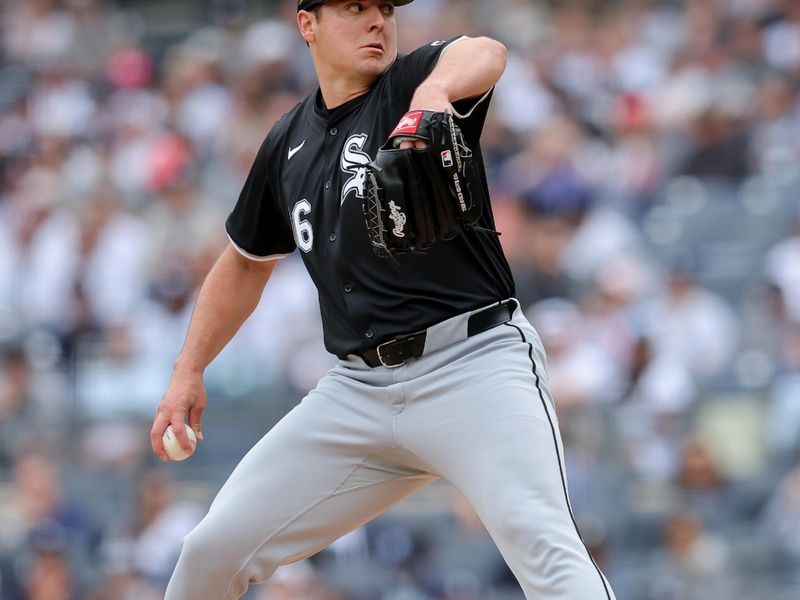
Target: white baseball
<point>173,447</point>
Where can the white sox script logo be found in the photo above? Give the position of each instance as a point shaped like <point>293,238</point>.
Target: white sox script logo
<point>399,218</point>
<point>354,161</point>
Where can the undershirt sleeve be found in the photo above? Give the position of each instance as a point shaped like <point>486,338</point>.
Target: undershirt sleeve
<point>257,227</point>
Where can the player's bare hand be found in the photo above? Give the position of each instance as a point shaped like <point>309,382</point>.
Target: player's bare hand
<point>185,397</point>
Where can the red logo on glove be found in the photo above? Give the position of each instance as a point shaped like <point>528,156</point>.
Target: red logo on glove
<point>409,124</point>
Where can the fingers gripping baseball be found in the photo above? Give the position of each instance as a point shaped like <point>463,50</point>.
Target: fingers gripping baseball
<point>183,398</point>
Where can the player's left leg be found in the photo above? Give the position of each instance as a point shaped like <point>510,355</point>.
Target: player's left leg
<point>484,418</point>
<point>330,465</point>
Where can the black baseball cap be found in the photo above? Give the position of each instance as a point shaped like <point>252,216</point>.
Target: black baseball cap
<point>311,4</point>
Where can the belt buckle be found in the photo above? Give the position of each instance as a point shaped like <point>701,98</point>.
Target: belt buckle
<point>380,356</point>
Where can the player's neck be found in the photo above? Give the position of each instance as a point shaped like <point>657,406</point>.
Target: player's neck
<point>339,90</point>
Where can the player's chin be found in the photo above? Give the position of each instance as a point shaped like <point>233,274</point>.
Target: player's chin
<point>374,66</point>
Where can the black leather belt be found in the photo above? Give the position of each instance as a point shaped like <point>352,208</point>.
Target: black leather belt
<point>398,350</point>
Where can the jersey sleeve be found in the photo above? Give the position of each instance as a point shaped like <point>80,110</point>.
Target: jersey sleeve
<point>412,69</point>
<point>257,227</point>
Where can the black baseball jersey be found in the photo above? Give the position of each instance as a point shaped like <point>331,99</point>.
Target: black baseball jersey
<point>305,190</point>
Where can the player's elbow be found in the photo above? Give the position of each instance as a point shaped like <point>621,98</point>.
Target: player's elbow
<point>496,55</point>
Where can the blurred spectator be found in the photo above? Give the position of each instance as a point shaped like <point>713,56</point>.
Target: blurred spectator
<point>14,404</point>
<point>782,266</point>
<point>689,324</point>
<point>297,580</point>
<point>116,379</point>
<point>57,542</point>
<point>579,371</point>
<point>148,549</point>
<point>122,580</point>
<point>782,39</point>
<point>604,236</point>
<point>465,559</point>
<point>553,210</point>
<point>695,566</point>
<point>183,220</point>
<point>43,237</point>
<point>698,470</point>
<point>636,163</point>
<point>659,392</point>
<point>38,31</point>
<point>781,516</point>
<point>719,148</point>
<point>61,105</point>
<point>32,398</point>
<point>775,131</point>
<point>199,102</point>
<point>115,251</point>
<point>48,576</point>
<point>610,303</point>
<point>782,431</point>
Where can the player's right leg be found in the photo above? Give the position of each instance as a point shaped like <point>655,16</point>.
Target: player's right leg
<point>481,414</point>
<point>326,468</point>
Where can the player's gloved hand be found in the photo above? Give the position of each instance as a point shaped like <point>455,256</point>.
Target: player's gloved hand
<point>415,196</point>
<point>185,397</point>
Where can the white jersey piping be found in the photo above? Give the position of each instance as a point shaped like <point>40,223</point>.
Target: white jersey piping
<point>253,256</point>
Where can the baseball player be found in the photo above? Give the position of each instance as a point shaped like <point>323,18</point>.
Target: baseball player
<point>377,180</point>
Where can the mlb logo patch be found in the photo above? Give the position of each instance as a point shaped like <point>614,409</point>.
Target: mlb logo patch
<point>447,159</point>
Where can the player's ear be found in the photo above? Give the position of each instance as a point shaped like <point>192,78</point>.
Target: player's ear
<point>307,25</point>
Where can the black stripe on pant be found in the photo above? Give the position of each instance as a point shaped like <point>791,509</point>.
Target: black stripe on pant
<point>558,453</point>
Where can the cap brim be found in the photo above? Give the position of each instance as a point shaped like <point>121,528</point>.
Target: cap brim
<point>319,2</point>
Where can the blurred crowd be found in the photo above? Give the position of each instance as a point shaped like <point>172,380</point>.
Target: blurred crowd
<point>644,160</point>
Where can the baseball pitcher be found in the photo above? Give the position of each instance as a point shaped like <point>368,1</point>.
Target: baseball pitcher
<point>377,180</point>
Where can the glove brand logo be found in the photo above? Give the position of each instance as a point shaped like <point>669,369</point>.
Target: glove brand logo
<point>399,218</point>
<point>354,162</point>
<point>447,159</point>
<point>408,124</point>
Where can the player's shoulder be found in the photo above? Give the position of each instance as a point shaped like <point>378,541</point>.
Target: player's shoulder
<point>422,59</point>
<point>291,121</point>
<point>433,47</point>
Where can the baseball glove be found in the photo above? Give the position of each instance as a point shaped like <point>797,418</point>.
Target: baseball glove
<point>415,196</point>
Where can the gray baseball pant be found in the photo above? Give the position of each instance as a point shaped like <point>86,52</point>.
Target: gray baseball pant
<point>476,411</point>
